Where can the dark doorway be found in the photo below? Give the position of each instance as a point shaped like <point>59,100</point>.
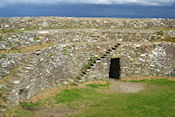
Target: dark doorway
<point>115,68</point>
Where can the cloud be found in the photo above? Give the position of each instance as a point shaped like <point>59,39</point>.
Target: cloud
<point>140,2</point>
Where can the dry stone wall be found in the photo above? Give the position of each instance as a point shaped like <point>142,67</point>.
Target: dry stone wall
<point>30,38</point>
<point>52,66</point>
<point>137,59</point>
<point>68,53</point>
<point>71,22</point>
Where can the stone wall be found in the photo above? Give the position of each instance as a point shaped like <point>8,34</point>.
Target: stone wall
<point>10,61</point>
<point>50,66</point>
<point>62,64</point>
<point>138,59</point>
<point>67,55</point>
<point>71,22</point>
<point>30,38</point>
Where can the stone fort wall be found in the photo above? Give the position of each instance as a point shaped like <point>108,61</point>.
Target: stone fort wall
<point>22,23</point>
<point>31,61</point>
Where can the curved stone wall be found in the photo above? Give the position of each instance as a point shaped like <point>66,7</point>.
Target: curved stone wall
<point>31,61</point>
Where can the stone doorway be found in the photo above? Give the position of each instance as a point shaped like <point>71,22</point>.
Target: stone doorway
<point>114,68</point>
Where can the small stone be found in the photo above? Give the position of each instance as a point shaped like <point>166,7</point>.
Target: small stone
<point>43,32</point>
<point>16,82</point>
<point>105,63</point>
<point>65,83</point>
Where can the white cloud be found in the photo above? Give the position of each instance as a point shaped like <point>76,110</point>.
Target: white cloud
<point>142,2</point>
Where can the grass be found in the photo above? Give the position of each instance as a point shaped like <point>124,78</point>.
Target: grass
<point>161,36</point>
<point>3,56</point>
<point>28,105</point>
<point>2,91</point>
<point>95,100</point>
<point>69,95</point>
<point>28,49</point>
<point>21,113</point>
<point>156,81</point>
<point>97,85</point>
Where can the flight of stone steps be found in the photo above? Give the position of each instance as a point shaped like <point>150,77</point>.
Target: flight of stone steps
<point>13,82</point>
<point>84,74</point>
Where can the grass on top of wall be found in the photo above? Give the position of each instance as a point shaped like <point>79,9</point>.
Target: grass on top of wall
<point>27,49</point>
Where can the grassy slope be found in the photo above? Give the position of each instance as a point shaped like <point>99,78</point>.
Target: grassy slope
<point>158,100</point>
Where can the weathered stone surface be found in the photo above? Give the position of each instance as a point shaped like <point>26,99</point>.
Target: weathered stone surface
<point>72,49</point>
<point>71,22</point>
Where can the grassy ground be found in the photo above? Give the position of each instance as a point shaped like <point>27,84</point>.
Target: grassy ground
<point>96,100</point>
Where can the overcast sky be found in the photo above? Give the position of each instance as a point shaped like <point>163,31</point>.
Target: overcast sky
<point>94,8</point>
<point>142,2</point>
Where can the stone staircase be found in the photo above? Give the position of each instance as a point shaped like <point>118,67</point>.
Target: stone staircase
<point>12,83</point>
<point>84,74</point>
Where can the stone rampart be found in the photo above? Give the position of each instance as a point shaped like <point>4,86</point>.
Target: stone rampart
<point>71,22</point>
<point>31,61</point>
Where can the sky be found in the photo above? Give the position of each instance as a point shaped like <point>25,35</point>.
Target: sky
<point>89,8</point>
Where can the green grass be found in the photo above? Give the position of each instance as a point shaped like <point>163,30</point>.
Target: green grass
<point>2,91</point>
<point>21,113</point>
<point>69,95</point>
<point>156,81</point>
<point>3,56</point>
<point>157,100</point>
<point>28,105</point>
<point>97,85</point>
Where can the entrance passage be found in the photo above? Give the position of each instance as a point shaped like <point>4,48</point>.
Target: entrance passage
<point>115,68</point>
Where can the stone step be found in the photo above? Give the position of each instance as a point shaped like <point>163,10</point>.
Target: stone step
<point>11,85</point>
<point>98,61</point>
<point>32,62</point>
<point>8,90</point>
<point>15,82</point>
<point>114,48</point>
<point>94,61</point>
<point>84,72</point>
<point>105,55</point>
<point>19,75</point>
<point>23,71</point>
<point>28,65</point>
<point>93,67</point>
<point>88,70</point>
<point>28,68</point>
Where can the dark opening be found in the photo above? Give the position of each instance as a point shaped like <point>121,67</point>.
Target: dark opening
<point>115,68</point>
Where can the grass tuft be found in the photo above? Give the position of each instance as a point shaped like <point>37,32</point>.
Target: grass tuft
<point>28,105</point>
<point>97,85</point>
